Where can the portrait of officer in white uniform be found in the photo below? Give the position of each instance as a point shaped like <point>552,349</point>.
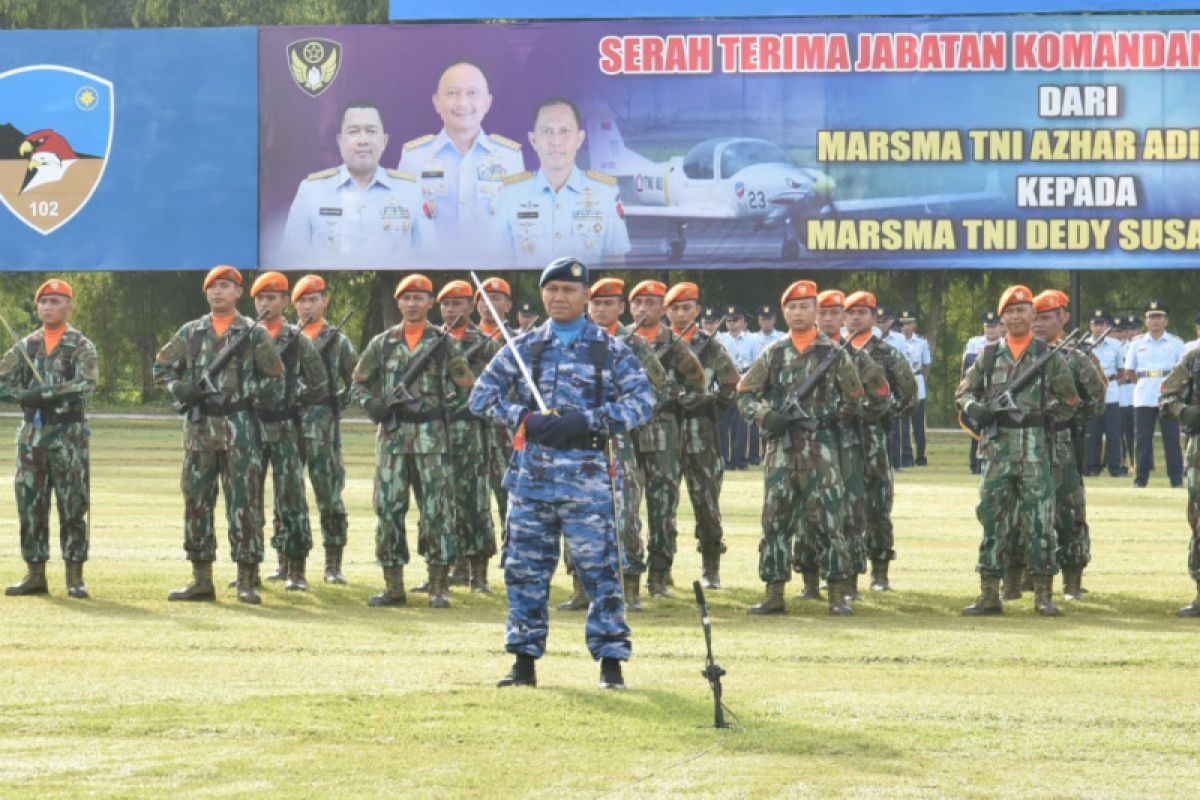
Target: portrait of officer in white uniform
<point>359,214</point>
<point>559,210</point>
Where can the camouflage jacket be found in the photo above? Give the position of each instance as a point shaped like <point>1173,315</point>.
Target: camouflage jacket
<point>684,373</point>
<point>338,358</point>
<point>899,375</point>
<point>303,383</point>
<point>566,378</point>
<point>1179,389</point>
<point>70,374</point>
<point>254,376</point>
<point>702,409</point>
<point>469,430</point>
<point>659,383</point>
<point>776,375</point>
<point>1049,399</point>
<point>877,391</point>
<point>442,388</point>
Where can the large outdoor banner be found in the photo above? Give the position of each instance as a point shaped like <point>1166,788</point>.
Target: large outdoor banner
<point>128,149</point>
<point>1033,141</point>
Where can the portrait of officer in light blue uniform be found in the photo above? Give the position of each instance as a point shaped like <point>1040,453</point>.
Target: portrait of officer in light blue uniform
<point>462,168</point>
<point>559,210</point>
<point>359,214</point>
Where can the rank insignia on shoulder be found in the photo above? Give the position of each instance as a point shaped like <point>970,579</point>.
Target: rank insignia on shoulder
<point>325,173</point>
<point>402,176</point>
<point>504,141</point>
<point>520,176</point>
<point>417,142</point>
<point>606,179</point>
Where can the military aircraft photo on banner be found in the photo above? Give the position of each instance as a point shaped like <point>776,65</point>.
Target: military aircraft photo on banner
<point>744,182</point>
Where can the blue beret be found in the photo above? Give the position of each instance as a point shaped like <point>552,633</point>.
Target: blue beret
<point>567,268</point>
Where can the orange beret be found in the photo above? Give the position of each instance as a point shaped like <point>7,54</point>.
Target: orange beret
<point>54,286</point>
<point>308,285</point>
<point>496,285</point>
<point>861,298</point>
<point>222,272</point>
<point>831,298</point>
<point>269,282</point>
<point>1050,300</point>
<point>455,290</point>
<point>1014,294</point>
<point>798,291</point>
<point>413,283</point>
<point>649,288</point>
<point>682,292</point>
<point>607,287</point>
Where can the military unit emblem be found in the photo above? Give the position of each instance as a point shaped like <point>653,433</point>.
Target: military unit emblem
<point>314,64</point>
<point>54,142</point>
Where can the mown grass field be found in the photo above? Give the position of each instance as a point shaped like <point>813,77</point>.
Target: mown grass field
<point>316,695</point>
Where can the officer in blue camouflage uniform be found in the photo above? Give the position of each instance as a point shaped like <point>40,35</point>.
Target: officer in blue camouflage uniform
<point>282,442</point>
<point>51,373</point>
<point>559,481</point>
<point>322,421</point>
<point>1104,433</point>
<point>221,435</point>
<point>560,210</point>
<point>359,214</point>
<point>461,168</point>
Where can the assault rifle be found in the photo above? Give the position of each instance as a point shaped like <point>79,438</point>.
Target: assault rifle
<point>1006,403</point>
<point>331,335</point>
<point>793,409</point>
<point>207,383</point>
<point>1086,347</point>
<point>401,397</point>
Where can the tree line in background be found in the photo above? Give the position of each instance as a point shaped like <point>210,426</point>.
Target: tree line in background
<point>129,314</point>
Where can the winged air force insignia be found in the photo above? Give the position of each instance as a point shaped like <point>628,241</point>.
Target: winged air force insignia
<point>314,64</point>
<point>56,130</point>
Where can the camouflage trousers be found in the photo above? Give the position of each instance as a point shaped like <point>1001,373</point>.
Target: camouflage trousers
<point>428,475</point>
<point>629,493</point>
<point>661,470</point>
<point>283,458</point>
<point>64,472</point>
<point>1070,516</point>
<point>705,473</point>
<point>1193,511</point>
<point>239,470</point>
<point>531,553</point>
<point>878,486</point>
<point>1016,510</point>
<point>854,517</point>
<point>805,506</point>
<point>473,529</point>
<point>499,454</point>
<point>327,474</point>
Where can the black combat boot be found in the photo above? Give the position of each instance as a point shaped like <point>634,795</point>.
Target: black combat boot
<point>34,581</point>
<point>610,674</point>
<point>201,587</point>
<point>852,592</point>
<point>439,586</point>
<point>281,568</point>
<point>75,587</point>
<point>393,591</point>
<point>1071,583</point>
<point>879,575</point>
<point>656,583</point>
<point>579,600</point>
<point>523,672</point>
<point>1043,596</point>
<point>297,582</point>
<point>988,603</point>
<point>812,585</point>
<point>772,602</point>
<point>633,593</point>
<point>247,584</point>
<point>479,579</point>
<point>1013,578</point>
<point>839,602</point>
<point>333,565</point>
<point>712,569</point>
<point>1192,609</point>
<point>461,574</point>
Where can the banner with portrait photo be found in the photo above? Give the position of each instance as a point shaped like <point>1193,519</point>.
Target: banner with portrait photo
<point>902,142</point>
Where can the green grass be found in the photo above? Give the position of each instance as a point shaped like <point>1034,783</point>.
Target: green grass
<point>315,695</point>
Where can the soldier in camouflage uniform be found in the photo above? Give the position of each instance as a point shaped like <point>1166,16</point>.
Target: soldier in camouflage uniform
<point>1070,501</point>
<point>878,478</point>
<point>701,459</point>
<point>282,438</point>
<point>606,304</point>
<point>803,495</point>
<point>1179,398</point>
<point>321,421</point>
<point>854,439</point>
<point>221,438</point>
<point>560,481</point>
<point>475,533</point>
<point>1017,488</point>
<point>499,440</point>
<point>659,443</point>
<point>50,373</point>
<point>412,445</point>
